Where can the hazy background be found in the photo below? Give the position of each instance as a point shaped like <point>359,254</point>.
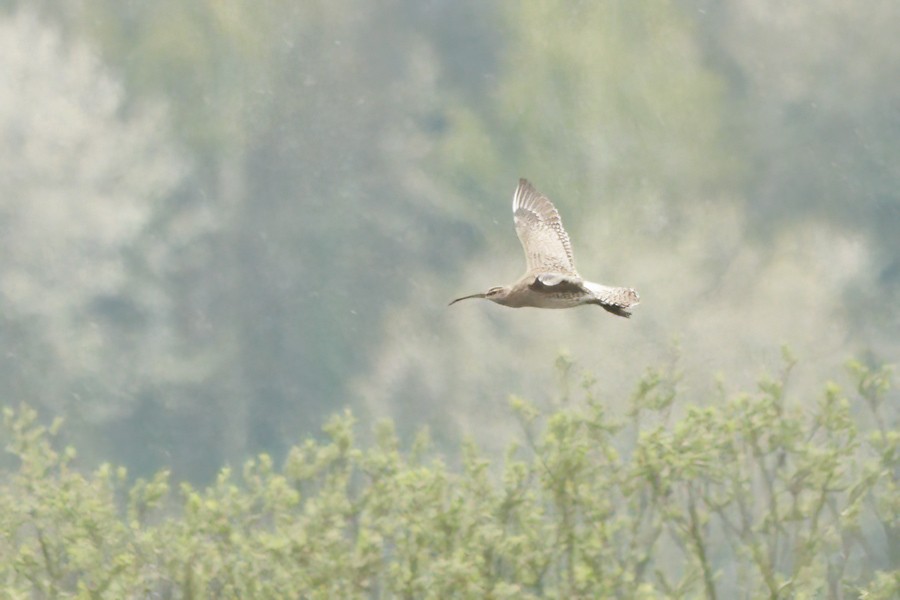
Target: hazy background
<point>222,221</point>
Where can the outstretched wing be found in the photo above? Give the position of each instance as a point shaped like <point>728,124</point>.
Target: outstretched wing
<point>546,243</point>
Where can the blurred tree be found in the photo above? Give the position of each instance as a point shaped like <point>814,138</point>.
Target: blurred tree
<point>609,100</point>
<point>302,121</point>
<point>343,155</point>
<point>814,98</point>
<point>84,320</point>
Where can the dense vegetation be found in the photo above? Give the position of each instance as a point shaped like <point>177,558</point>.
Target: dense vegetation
<point>747,497</point>
<point>222,221</point>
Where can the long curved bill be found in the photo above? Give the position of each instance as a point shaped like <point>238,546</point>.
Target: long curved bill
<point>466,298</point>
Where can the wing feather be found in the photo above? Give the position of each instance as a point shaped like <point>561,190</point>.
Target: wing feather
<point>540,229</point>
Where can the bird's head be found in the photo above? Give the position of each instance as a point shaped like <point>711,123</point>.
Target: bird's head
<point>495,294</point>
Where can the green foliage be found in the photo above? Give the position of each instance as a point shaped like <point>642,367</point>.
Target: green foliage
<point>746,498</point>
<point>613,97</point>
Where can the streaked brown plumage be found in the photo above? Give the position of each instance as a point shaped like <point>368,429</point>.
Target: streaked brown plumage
<point>550,279</point>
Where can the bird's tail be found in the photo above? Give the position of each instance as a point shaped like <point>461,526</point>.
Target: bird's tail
<point>616,300</point>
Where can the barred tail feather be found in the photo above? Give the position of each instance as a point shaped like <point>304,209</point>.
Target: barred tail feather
<point>614,299</point>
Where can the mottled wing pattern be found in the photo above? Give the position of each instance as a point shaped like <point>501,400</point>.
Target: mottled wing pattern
<point>546,243</point>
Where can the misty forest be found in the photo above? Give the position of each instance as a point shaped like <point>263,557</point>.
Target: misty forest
<point>230,230</point>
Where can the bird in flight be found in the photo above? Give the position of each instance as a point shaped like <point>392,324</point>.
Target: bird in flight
<point>550,279</point>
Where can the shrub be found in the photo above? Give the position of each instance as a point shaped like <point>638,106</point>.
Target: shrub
<point>746,497</point>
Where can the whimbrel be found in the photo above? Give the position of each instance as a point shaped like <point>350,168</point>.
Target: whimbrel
<point>550,279</point>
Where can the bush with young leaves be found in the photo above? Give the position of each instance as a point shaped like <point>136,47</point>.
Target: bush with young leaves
<point>747,497</point>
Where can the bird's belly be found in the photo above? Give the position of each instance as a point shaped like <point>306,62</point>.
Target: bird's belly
<point>544,300</point>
